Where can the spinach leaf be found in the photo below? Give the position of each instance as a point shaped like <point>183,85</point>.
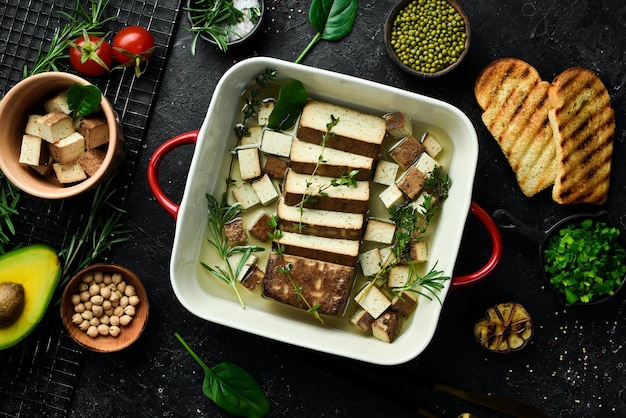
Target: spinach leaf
<point>333,19</point>
<point>231,388</point>
<point>83,100</point>
<point>291,99</point>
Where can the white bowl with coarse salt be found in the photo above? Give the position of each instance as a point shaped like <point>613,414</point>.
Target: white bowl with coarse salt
<point>209,298</point>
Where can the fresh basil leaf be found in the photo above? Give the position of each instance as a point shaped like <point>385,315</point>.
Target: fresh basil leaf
<point>333,19</point>
<point>84,100</point>
<point>231,388</point>
<point>291,99</point>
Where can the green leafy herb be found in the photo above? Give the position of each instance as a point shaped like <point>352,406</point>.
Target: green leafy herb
<point>585,261</point>
<point>332,19</point>
<point>83,100</point>
<point>216,19</point>
<point>291,99</point>
<point>104,228</point>
<point>80,20</point>
<point>219,214</point>
<point>9,199</point>
<point>231,388</point>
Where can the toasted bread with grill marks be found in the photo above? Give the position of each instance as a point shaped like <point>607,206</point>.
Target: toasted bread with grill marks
<point>515,107</point>
<point>583,123</point>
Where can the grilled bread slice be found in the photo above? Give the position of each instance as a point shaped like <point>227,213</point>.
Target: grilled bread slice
<point>583,123</point>
<point>515,107</point>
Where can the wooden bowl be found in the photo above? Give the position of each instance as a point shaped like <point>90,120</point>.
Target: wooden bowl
<point>393,55</point>
<point>105,343</point>
<point>27,97</point>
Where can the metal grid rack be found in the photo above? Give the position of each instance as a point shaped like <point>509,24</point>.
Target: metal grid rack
<point>38,376</point>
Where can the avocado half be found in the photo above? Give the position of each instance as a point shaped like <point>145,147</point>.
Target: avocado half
<point>38,269</point>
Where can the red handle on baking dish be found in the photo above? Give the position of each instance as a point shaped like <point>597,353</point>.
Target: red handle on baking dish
<point>190,138</point>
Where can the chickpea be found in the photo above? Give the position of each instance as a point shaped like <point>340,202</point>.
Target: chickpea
<point>114,331</point>
<point>84,326</point>
<point>82,287</point>
<point>129,310</point>
<point>106,305</point>
<point>94,322</point>
<point>114,320</point>
<point>115,297</point>
<point>97,311</point>
<point>84,296</point>
<point>103,329</point>
<point>97,299</point>
<point>98,277</point>
<point>104,319</point>
<point>118,311</point>
<point>105,292</point>
<point>133,300</point>
<point>87,278</point>
<point>121,286</point>
<point>125,320</point>
<point>116,278</point>
<point>130,290</point>
<point>108,312</point>
<point>77,318</point>
<point>88,315</point>
<point>88,305</point>
<point>94,289</point>
<point>124,301</point>
<point>80,308</point>
<point>92,331</point>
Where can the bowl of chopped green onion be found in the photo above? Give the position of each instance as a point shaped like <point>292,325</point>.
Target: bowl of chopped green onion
<point>224,23</point>
<point>427,38</point>
<point>583,256</point>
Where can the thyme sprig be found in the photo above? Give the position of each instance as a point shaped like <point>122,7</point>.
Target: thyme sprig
<point>9,199</point>
<point>219,214</point>
<point>275,234</point>
<point>80,20</point>
<point>252,102</point>
<point>103,229</point>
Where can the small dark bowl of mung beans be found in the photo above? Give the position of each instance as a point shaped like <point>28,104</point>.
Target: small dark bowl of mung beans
<point>427,38</point>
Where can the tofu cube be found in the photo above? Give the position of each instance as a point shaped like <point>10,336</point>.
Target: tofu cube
<point>68,149</point>
<point>69,173</point>
<point>249,163</point>
<point>33,127</point>
<point>55,125</point>
<point>392,196</point>
<point>412,181</point>
<point>275,167</point>
<point>235,232</point>
<point>387,255</point>
<point>406,151</point>
<point>95,130</point>
<point>373,300</point>
<point>44,169</point>
<point>33,151</point>
<point>371,262</point>
<point>254,137</point>
<point>432,146</point>
<point>58,103</point>
<point>276,143</point>
<point>387,326</point>
<point>399,275</point>
<point>386,172</point>
<point>362,320</point>
<point>92,160</point>
<point>252,278</point>
<point>265,190</point>
<point>262,227</point>
<point>378,230</point>
<point>398,125</point>
<point>245,196</point>
<point>404,303</point>
<point>265,110</point>
<point>426,164</point>
<point>418,251</point>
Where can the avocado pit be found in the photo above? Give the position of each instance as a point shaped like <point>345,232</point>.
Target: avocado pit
<point>11,303</point>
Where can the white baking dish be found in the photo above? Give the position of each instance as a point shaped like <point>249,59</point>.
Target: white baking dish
<point>210,299</point>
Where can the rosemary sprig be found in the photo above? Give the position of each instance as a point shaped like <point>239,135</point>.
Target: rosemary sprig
<point>275,234</point>
<point>80,20</point>
<point>252,102</point>
<point>104,228</point>
<point>219,214</point>
<point>9,199</point>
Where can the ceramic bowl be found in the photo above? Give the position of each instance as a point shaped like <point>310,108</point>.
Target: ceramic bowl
<point>104,343</point>
<point>191,17</point>
<point>389,23</point>
<point>27,97</point>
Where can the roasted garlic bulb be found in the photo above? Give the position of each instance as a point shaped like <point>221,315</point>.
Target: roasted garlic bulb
<point>506,327</point>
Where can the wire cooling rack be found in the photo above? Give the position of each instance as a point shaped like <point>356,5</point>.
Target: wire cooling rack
<point>37,377</point>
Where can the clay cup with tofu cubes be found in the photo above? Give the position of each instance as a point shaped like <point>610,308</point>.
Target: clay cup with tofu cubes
<point>26,99</point>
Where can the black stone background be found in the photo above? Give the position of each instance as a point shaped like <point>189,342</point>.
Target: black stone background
<point>575,364</point>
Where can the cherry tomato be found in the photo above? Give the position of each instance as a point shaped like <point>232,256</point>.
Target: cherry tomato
<point>91,55</point>
<point>133,46</point>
